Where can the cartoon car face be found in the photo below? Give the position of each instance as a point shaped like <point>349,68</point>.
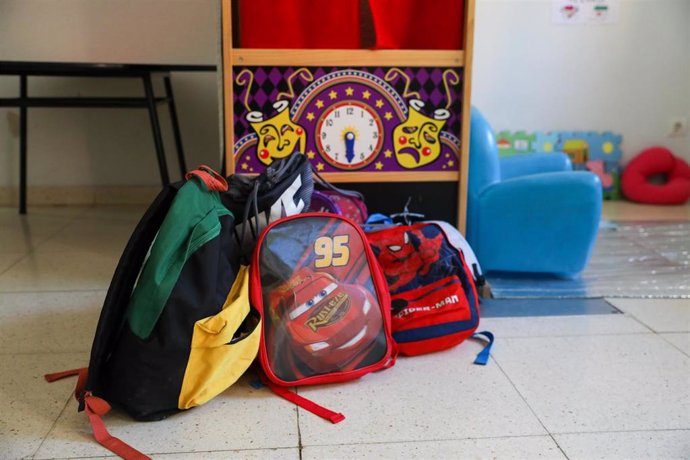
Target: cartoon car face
<point>329,323</point>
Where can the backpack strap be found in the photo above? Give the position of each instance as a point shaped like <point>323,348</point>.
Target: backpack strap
<point>82,372</point>
<point>208,176</point>
<point>307,404</point>
<point>301,401</point>
<point>96,407</point>
<point>126,273</point>
<point>483,356</point>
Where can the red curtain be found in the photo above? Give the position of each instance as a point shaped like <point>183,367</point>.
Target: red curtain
<point>299,24</point>
<point>418,24</point>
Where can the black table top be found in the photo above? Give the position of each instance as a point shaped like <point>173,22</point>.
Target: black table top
<point>94,69</point>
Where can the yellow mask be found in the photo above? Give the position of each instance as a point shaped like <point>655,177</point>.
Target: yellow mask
<point>416,140</point>
<point>278,136</point>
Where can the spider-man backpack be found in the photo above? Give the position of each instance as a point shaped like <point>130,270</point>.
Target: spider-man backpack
<point>434,301</point>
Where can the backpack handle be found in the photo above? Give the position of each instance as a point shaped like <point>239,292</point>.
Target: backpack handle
<point>208,176</point>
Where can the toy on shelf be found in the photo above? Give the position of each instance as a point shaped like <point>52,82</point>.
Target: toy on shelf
<point>598,152</point>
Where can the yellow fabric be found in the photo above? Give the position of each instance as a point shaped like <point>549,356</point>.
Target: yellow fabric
<point>214,364</point>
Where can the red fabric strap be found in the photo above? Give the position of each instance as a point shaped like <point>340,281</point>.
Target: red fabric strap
<point>82,372</point>
<point>212,179</point>
<point>304,403</point>
<point>95,407</point>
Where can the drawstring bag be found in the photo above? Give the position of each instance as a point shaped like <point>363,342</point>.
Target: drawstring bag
<point>284,188</point>
<point>335,200</point>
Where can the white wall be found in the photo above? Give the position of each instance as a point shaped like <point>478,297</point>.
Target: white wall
<point>629,77</point>
<point>108,146</point>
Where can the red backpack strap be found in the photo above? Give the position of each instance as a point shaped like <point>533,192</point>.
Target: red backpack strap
<point>212,179</point>
<point>82,372</point>
<point>301,401</point>
<point>96,407</point>
<point>304,403</point>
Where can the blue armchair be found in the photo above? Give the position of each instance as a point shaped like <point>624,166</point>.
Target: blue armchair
<point>529,213</point>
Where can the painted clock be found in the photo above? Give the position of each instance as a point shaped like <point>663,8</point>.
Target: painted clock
<point>364,120</point>
<point>349,135</point>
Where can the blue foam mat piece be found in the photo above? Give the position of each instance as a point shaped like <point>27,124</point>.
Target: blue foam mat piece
<point>500,308</point>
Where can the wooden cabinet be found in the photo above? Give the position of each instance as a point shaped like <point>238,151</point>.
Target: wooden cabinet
<point>361,115</point>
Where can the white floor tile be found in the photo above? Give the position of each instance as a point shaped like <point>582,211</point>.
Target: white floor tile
<point>255,454</point>
<point>23,233</point>
<point>549,326</point>
<point>680,340</point>
<point>436,396</point>
<point>665,445</point>
<point>9,259</point>
<point>528,447</point>
<point>29,404</point>
<point>600,383</point>
<point>252,454</point>
<point>48,321</point>
<point>122,212</point>
<point>662,315</point>
<point>59,272</point>
<point>100,236</point>
<point>241,418</point>
<point>42,211</point>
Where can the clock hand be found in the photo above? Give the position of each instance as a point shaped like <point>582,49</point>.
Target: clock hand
<point>349,146</point>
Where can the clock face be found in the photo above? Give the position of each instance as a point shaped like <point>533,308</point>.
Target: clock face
<point>349,135</point>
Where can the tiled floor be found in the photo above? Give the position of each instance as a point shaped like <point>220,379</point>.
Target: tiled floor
<point>578,387</point>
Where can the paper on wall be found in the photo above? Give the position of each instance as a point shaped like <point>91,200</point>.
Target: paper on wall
<point>584,11</point>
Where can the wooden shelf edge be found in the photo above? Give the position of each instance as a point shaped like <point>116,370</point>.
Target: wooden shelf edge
<point>325,57</point>
<point>402,176</point>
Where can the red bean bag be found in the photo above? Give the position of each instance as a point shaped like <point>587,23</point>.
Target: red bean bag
<point>653,161</point>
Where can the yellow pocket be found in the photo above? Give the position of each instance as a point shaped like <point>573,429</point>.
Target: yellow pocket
<point>223,347</point>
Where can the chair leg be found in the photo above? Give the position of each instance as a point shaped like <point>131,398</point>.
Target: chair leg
<point>156,128</point>
<point>22,144</point>
<point>175,126</point>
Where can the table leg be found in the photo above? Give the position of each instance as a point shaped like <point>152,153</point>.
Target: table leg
<point>155,126</point>
<point>22,143</point>
<point>175,126</point>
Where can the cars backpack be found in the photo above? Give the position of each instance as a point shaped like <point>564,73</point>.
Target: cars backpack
<point>434,300</point>
<point>176,328</point>
<point>324,305</point>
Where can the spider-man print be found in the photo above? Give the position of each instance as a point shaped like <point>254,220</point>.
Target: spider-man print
<point>408,256</point>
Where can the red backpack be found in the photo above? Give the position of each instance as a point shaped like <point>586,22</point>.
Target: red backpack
<point>324,303</point>
<point>434,301</point>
